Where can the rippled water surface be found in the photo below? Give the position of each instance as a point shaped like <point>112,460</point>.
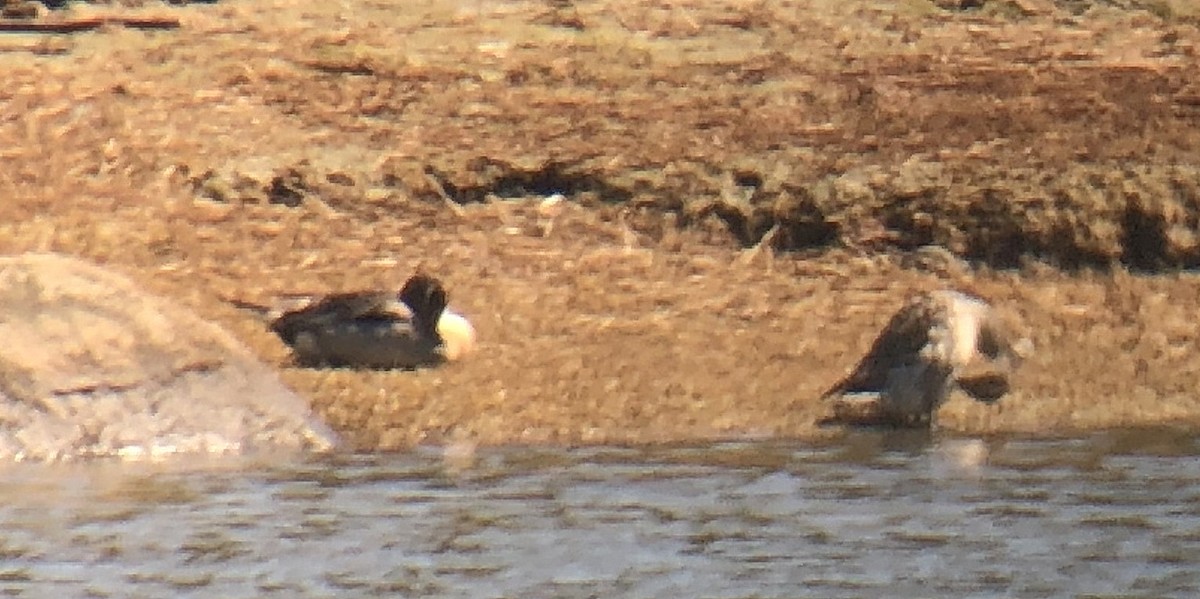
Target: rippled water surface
<point>871,515</point>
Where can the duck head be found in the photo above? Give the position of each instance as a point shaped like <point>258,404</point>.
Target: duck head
<point>427,299</point>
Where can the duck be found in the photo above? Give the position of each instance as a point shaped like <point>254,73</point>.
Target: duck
<point>375,329</point>
<point>936,342</point>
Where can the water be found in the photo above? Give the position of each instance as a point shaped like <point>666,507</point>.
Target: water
<point>871,515</point>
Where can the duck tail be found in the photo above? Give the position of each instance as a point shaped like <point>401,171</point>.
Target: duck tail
<point>265,313</point>
<point>836,389</point>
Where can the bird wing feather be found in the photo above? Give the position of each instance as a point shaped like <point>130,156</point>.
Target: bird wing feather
<point>899,344</point>
<point>340,308</point>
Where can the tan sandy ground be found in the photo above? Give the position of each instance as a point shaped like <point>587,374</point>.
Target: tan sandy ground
<point>280,146</point>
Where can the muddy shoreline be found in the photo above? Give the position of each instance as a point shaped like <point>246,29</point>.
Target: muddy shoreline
<point>747,194</point>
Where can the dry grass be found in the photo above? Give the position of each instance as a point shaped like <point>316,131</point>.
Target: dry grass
<point>408,136</point>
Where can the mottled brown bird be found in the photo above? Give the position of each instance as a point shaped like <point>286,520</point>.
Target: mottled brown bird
<point>936,342</point>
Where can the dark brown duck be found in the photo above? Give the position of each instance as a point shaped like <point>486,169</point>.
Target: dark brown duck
<point>374,329</point>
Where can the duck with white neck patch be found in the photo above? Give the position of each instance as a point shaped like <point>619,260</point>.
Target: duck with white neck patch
<point>373,329</point>
<point>936,342</point>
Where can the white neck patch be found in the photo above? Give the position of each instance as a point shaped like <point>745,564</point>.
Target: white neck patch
<point>458,336</point>
<point>965,314</point>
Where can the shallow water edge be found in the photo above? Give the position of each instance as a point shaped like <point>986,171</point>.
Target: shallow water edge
<point>913,515</point>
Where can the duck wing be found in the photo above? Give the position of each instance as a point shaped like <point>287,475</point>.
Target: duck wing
<point>898,345</point>
<point>340,309</point>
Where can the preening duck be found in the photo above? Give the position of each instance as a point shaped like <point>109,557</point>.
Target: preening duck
<point>936,342</point>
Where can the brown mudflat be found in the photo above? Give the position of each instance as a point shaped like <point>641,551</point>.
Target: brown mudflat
<point>745,189</point>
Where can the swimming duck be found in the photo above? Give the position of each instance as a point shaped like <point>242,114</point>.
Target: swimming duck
<point>936,342</point>
<point>378,329</point>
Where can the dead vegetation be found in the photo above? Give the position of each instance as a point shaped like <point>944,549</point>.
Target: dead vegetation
<point>745,187</point>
